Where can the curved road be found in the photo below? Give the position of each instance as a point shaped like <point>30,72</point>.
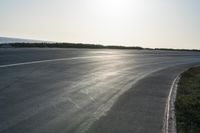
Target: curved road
<point>80,91</point>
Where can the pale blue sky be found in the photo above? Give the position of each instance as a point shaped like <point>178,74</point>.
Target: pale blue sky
<point>146,23</point>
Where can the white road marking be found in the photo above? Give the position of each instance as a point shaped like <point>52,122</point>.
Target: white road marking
<point>43,61</point>
<point>59,59</point>
<point>63,59</point>
<point>167,111</point>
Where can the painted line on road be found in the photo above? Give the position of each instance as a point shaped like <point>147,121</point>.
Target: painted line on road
<point>43,61</point>
<point>59,59</point>
<point>167,111</point>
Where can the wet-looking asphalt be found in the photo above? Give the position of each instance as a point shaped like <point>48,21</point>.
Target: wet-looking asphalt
<point>80,90</point>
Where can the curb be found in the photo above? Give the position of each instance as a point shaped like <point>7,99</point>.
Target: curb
<point>170,117</point>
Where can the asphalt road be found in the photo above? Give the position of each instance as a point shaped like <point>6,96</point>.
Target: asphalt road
<point>94,91</point>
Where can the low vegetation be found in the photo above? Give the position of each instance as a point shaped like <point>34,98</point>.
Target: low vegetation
<point>68,45</point>
<point>82,45</point>
<point>188,102</point>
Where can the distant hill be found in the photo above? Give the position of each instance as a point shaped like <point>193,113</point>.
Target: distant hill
<point>66,45</point>
<point>5,40</point>
<point>16,42</point>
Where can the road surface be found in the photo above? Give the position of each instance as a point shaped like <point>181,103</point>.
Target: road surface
<point>87,91</point>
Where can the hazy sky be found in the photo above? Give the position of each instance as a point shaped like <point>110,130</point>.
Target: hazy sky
<point>146,23</point>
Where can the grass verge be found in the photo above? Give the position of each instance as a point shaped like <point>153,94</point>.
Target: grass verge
<point>187,103</point>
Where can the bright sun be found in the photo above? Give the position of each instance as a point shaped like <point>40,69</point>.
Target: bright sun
<point>114,6</point>
<point>119,7</point>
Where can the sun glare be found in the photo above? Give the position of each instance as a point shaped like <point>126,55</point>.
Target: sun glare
<point>120,8</point>
<point>113,7</point>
